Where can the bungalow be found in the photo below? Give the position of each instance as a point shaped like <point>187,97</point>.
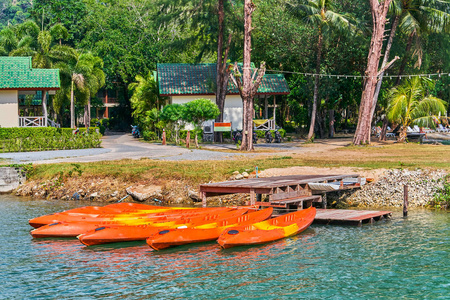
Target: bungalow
<point>186,82</point>
<point>18,78</point>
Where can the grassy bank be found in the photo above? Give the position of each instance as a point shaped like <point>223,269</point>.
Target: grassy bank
<point>195,172</point>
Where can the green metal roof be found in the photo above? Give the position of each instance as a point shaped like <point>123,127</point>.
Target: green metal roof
<point>200,79</point>
<point>17,73</point>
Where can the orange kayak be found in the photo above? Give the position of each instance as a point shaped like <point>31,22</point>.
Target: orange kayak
<point>268,231</point>
<point>97,217</point>
<point>114,234</point>
<point>209,232</point>
<point>75,228</point>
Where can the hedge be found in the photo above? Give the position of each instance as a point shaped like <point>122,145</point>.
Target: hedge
<point>46,138</point>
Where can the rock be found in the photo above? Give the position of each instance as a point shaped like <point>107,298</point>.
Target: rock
<point>93,195</point>
<point>236,173</point>
<point>115,194</point>
<point>239,177</point>
<point>245,174</point>
<point>194,196</point>
<point>142,192</point>
<point>75,196</point>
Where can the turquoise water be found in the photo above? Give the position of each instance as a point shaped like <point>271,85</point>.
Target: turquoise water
<point>397,259</point>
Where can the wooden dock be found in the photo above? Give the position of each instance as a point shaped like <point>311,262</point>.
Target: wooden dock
<point>290,191</point>
<point>350,217</point>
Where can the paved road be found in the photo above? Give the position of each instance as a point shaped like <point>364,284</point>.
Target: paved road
<point>117,147</point>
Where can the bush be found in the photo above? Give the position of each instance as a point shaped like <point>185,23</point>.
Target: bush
<point>46,138</point>
<point>149,135</point>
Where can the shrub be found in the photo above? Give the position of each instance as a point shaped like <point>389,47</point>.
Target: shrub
<point>46,138</point>
<point>149,135</point>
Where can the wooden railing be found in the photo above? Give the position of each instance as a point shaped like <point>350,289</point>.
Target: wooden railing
<point>32,121</point>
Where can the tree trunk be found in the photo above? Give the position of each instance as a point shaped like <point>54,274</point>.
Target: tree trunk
<point>331,123</point>
<point>384,63</point>
<point>72,109</point>
<point>405,57</point>
<point>222,70</point>
<point>247,84</point>
<point>85,116</point>
<point>316,88</point>
<point>379,12</point>
<point>384,130</point>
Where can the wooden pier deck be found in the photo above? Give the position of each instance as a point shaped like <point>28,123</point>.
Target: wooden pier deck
<point>283,191</point>
<point>349,216</point>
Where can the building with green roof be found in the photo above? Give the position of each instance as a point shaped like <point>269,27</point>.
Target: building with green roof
<point>186,82</point>
<point>17,78</point>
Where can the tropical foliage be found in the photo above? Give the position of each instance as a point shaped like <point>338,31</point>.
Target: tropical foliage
<point>410,103</point>
<point>132,36</point>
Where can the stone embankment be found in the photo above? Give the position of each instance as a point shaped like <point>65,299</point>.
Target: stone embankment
<point>388,190</point>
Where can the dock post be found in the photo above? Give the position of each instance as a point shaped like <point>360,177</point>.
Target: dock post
<point>324,201</point>
<point>164,137</point>
<point>405,200</point>
<point>203,199</point>
<point>252,197</point>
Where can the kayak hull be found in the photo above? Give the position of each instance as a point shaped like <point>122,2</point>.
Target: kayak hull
<point>267,231</point>
<point>176,237</point>
<point>115,234</point>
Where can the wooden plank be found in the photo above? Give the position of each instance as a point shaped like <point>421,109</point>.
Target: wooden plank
<point>281,196</point>
<point>299,199</point>
<point>268,204</point>
<point>347,215</point>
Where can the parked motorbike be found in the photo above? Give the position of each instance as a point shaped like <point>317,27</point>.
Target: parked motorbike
<point>135,131</point>
<point>237,136</point>
<point>277,136</point>
<point>269,137</point>
<point>255,137</point>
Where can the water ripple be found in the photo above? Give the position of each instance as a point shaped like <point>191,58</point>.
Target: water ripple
<point>401,258</point>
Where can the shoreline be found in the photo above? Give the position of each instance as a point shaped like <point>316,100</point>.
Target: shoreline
<point>384,192</point>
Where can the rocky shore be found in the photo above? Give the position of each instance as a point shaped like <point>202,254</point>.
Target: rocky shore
<point>386,191</point>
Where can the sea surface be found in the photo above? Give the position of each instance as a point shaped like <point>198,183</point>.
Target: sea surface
<point>397,259</point>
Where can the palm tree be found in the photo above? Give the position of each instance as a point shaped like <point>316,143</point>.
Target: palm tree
<point>320,14</point>
<point>414,18</point>
<point>417,17</point>
<point>145,96</point>
<point>410,103</point>
<point>87,77</point>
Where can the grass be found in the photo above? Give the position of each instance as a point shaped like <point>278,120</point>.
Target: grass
<point>195,172</point>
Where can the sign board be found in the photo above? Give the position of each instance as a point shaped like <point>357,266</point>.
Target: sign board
<point>222,127</point>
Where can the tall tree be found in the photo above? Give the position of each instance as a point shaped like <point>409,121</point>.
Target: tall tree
<point>414,17</point>
<point>247,84</point>
<point>320,14</point>
<point>379,11</point>
<point>222,70</point>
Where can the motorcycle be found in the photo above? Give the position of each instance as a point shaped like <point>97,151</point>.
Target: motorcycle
<point>269,137</point>
<point>237,136</point>
<point>277,136</point>
<point>135,131</point>
<point>255,137</point>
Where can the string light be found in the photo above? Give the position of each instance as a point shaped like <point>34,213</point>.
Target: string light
<point>338,76</point>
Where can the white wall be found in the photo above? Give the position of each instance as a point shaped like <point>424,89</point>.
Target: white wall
<point>9,108</point>
<point>232,111</point>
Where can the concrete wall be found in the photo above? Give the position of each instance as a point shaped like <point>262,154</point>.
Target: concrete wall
<point>9,108</point>
<point>10,179</point>
<point>232,111</point>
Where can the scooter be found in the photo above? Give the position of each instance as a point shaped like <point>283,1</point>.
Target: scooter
<point>237,136</point>
<point>135,131</point>
<point>269,137</point>
<point>277,136</point>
